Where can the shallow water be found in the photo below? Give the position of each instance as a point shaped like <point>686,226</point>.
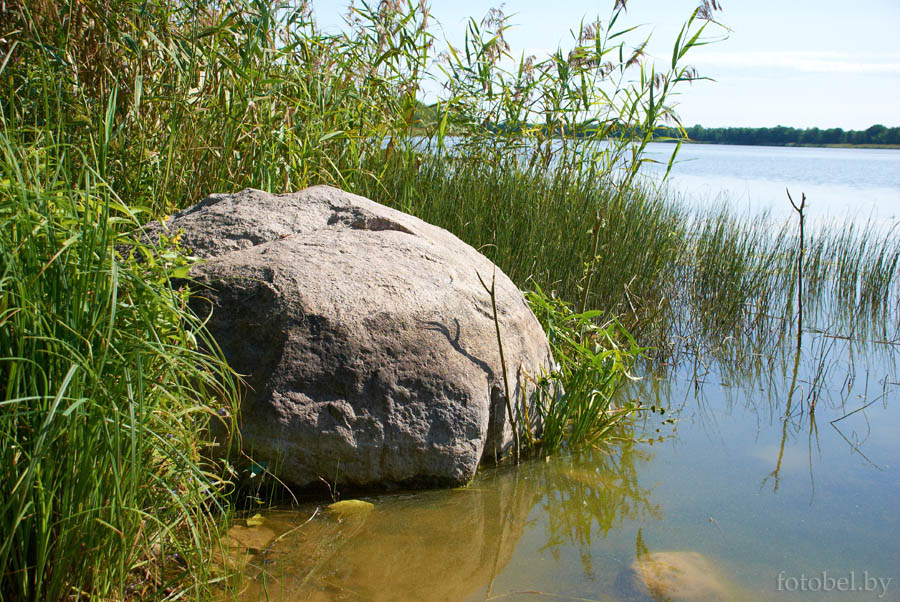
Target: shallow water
<point>749,482</point>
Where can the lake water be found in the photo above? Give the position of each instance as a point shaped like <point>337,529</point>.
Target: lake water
<point>780,481</point>
<point>840,184</point>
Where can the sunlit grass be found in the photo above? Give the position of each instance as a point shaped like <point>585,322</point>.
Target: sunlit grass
<point>107,487</point>
<point>674,276</point>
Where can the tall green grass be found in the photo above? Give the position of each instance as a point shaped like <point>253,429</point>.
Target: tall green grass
<point>106,492</point>
<point>681,280</point>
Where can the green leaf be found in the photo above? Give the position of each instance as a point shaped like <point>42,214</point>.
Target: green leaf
<point>180,272</point>
<point>331,135</point>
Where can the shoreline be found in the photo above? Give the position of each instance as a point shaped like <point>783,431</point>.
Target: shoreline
<point>787,145</point>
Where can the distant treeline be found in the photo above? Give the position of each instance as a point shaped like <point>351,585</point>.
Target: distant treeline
<point>427,118</point>
<point>785,136</point>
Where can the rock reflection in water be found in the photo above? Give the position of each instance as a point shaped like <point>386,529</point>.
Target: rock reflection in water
<point>446,545</point>
<point>433,545</point>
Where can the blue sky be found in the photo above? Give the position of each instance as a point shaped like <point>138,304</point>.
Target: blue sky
<point>799,63</point>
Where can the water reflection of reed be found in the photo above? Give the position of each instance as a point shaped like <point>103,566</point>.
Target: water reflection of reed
<point>589,494</point>
<point>831,378</point>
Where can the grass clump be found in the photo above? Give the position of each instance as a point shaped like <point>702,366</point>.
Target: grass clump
<point>576,405</point>
<point>106,396</point>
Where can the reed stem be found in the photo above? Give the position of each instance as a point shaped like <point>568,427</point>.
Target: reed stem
<point>799,209</point>
<point>492,291</point>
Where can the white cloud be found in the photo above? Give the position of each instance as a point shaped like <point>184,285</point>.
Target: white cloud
<point>808,62</point>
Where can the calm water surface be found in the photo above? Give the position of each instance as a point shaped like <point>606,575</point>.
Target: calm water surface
<point>784,477</point>
<point>840,184</point>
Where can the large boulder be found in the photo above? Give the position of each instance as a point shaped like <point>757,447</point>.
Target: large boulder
<point>366,339</point>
